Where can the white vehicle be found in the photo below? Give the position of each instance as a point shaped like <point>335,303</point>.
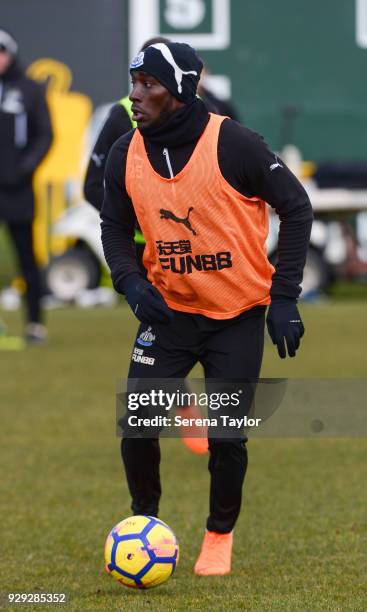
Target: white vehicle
<point>79,268</point>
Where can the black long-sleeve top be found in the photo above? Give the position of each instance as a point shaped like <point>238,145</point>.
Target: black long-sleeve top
<point>25,138</point>
<point>248,165</point>
<point>117,123</point>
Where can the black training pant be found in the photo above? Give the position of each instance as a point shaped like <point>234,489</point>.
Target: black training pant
<point>21,234</point>
<point>230,349</point>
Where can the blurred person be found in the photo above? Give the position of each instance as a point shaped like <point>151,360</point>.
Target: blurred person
<point>26,137</point>
<point>212,102</point>
<point>118,122</point>
<point>198,184</point>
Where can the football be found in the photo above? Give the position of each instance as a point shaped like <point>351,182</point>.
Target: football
<point>141,552</point>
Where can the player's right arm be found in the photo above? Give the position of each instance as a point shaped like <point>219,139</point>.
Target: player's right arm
<point>117,124</point>
<point>118,216</point>
<point>118,228</point>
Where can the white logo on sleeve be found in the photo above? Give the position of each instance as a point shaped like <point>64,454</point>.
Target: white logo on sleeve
<point>276,165</point>
<point>166,52</point>
<point>98,159</point>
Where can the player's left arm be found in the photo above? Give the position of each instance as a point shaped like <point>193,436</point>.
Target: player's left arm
<point>257,171</point>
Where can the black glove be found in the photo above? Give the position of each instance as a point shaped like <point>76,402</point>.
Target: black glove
<point>285,324</point>
<point>145,301</point>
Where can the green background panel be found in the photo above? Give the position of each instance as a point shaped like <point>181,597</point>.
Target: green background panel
<point>303,54</point>
<point>203,27</point>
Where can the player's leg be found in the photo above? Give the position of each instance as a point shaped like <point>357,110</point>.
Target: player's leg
<point>159,352</point>
<point>194,437</point>
<point>141,458</point>
<point>3,329</point>
<point>233,353</point>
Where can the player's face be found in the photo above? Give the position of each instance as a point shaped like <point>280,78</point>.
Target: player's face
<point>5,59</point>
<point>152,104</point>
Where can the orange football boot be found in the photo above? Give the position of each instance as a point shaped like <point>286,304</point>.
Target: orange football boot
<point>215,555</point>
<point>199,443</point>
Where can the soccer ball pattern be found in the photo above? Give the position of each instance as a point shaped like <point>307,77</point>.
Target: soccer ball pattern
<point>141,552</point>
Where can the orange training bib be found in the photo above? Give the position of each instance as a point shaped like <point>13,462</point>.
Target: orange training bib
<point>205,242</point>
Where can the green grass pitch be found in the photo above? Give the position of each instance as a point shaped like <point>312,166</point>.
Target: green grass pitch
<point>301,540</point>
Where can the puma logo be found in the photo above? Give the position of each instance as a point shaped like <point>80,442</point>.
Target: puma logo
<point>166,52</point>
<point>276,165</point>
<point>167,214</point>
<point>98,159</point>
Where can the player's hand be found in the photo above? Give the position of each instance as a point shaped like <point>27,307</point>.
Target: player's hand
<point>285,326</point>
<point>146,302</point>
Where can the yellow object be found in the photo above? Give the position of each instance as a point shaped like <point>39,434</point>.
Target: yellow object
<point>127,104</point>
<point>57,75</point>
<point>141,552</point>
<point>308,169</point>
<point>12,343</point>
<point>60,171</point>
<point>19,284</point>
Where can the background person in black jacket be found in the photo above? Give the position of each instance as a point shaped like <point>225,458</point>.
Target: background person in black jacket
<point>26,136</point>
<point>212,102</point>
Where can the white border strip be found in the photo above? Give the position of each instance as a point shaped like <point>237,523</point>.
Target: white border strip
<point>361,23</point>
<point>144,23</point>
<point>219,38</point>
